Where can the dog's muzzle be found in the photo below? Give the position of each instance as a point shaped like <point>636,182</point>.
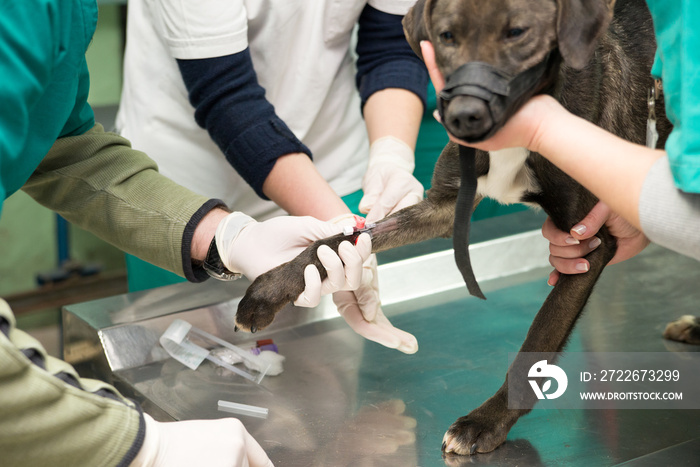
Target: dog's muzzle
<point>492,97</point>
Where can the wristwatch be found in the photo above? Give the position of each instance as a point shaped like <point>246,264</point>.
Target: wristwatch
<point>215,267</point>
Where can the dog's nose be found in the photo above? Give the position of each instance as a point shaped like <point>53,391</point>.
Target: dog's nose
<point>468,117</point>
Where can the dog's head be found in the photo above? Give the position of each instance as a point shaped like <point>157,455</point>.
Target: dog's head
<point>496,54</point>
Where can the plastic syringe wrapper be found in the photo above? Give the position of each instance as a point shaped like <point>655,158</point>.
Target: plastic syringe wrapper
<point>176,342</point>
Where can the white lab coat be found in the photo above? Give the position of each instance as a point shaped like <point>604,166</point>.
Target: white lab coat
<point>301,51</point>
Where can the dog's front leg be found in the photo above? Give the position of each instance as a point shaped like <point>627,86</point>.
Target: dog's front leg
<point>433,217</point>
<point>486,427</point>
<point>271,291</point>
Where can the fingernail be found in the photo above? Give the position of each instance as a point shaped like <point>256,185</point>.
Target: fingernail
<point>594,243</point>
<point>436,115</point>
<point>583,267</point>
<point>579,229</point>
<point>571,240</point>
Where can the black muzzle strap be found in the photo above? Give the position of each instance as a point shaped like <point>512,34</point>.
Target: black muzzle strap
<point>463,212</point>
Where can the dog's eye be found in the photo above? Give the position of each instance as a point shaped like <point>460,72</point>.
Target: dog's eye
<point>512,33</point>
<point>447,38</point>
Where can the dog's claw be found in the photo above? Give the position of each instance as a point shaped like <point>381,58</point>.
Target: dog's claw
<point>253,329</point>
<point>472,449</point>
<point>235,329</point>
<point>444,445</point>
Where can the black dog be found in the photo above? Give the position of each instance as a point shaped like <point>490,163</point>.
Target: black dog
<point>597,65</point>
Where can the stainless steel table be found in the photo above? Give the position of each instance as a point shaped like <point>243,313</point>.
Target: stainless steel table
<point>344,401</point>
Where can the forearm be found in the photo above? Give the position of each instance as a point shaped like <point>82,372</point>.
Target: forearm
<point>298,188</point>
<point>613,169</point>
<point>394,112</point>
<point>231,105</point>
<point>99,183</point>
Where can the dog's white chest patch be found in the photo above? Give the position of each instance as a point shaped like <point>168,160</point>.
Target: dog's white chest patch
<point>508,178</point>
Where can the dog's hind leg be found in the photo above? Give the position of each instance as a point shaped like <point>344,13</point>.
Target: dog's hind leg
<point>486,427</point>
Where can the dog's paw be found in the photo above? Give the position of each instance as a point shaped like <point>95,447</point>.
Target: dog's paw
<point>272,291</point>
<point>266,296</point>
<point>480,431</point>
<point>685,329</point>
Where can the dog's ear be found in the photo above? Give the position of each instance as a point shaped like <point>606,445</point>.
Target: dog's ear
<point>416,25</point>
<point>580,23</point>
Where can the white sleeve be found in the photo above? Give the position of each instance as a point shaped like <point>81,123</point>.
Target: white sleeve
<point>669,217</point>
<point>201,28</point>
<point>393,7</point>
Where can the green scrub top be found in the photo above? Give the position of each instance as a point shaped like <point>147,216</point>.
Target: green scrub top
<point>677,63</point>
<point>44,81</point>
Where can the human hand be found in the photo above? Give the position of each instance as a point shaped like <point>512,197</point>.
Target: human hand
<point>360,306</point>
<point>362,310</point>
<point>567,250</point>
<point>522,130</point>
<point>252,248</point>
<point>389,184</point>
<point>223,442</point>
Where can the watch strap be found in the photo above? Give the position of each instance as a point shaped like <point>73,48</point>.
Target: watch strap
<point>215,267</point>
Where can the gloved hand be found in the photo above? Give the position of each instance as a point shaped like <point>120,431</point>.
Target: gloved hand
<point>252,248</point>
<point>361,308</point>
<point>389,184</point>
<point>215,443</point>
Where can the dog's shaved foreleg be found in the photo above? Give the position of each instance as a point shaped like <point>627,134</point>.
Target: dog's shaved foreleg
<point>271,291</point>
<point>431,218</point>
<point>486,427</point>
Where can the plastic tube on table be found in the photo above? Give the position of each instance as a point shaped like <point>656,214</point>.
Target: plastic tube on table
<point>243,409</point>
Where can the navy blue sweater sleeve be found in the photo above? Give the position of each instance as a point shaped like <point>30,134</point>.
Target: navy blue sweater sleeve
<point>230,104</point>
<point>385,60</point>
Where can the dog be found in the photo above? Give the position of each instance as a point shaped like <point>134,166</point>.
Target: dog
<point>598,55</point>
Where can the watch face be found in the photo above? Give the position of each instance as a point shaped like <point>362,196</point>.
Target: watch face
<point>222,275</point>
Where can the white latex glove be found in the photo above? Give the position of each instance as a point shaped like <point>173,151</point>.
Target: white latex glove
<point>215,443</point>
<point>389,184</point>
<point>362,310</point>
<point>344,270</point>
<point>252,248</point>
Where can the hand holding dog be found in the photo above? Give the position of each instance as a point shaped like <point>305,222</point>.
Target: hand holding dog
<point>389,184</point>
<point>245,247</point>
<point>360,306</point>
<point>567,249</point>
<point>521,130</point>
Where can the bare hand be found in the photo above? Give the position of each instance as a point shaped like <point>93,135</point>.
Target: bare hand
<point>523,129</point>
<point>567,249</point>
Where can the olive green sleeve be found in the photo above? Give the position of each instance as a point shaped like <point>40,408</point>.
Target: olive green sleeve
<point>98,182</point>
<point>51,417</point>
